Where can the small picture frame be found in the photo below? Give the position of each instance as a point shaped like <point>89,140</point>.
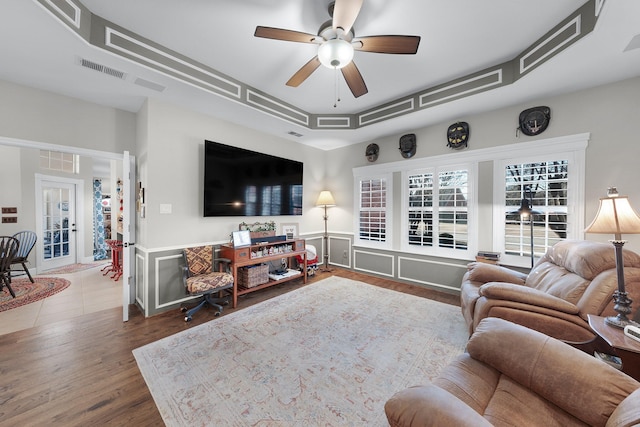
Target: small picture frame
<point>290,230</point>
<point>241,238</point>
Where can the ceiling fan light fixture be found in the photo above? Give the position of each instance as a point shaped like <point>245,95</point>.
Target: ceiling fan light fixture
<point>335,53</point>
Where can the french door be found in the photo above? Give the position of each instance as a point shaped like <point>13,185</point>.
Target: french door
<point>56,224</point>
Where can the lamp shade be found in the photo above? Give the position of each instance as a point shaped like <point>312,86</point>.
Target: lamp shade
<point>325,199</point>
<point>525,209</point>
<point>615,216</point>
<point>335,53</point>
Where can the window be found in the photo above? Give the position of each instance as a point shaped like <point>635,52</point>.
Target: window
<point>451,210</point>
<point>58,161</point>
<point>455,204</point>
<point>421,209</point>
<point>452,214</point>
<point>549,175</point>
<point>543,185</point>
<point>373,210</point>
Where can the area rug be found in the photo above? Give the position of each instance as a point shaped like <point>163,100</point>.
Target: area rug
<point>74,268</point>
<point>27,292</point>
<point>330,353</point>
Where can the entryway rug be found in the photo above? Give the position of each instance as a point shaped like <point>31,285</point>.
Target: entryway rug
<point>330,353</point>
<point>74,268</point>
<point>27,292</point>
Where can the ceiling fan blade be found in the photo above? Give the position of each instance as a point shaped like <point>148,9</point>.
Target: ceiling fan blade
<point>354,80</point>
<point>388,44</point>
<point>304,72</point>
<point>286,35</point>
<point>345,13</point>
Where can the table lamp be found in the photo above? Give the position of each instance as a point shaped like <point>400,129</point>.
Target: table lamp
<point>616,216</point>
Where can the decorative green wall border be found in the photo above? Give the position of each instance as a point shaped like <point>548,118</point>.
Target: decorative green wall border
<point>122,42</point>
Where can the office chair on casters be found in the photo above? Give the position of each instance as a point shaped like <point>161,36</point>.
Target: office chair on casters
<point>8,250</point>
<point>27,240</point>
<point>200,280</point>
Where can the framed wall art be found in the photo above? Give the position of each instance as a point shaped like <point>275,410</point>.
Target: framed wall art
<point>290,230</point>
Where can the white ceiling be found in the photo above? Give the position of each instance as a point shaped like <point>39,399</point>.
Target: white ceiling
<point>459,37</point>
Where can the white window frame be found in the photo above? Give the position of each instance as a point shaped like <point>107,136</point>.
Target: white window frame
<point>388,211</point>
<point>472,236</point>
<point>572,149</point>
<point>528,151</point>
<point>60,161</point>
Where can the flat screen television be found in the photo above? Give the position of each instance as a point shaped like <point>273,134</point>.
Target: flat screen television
<point>240,182</point>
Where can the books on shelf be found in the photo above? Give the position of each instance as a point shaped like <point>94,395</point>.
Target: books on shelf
<point>488,256</point>
<point>283,275</point>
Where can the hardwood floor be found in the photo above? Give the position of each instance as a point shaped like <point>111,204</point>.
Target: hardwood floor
<point>81,372</point>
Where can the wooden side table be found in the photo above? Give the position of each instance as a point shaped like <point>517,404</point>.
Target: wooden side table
<point>620,345</point>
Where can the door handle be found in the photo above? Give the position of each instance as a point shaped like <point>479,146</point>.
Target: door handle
<point>126,245</point>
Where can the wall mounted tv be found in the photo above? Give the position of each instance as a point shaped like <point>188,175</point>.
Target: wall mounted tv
<point>239,182</point>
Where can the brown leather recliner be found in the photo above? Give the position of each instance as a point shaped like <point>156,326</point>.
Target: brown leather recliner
<point>515,376</point>
<point>574,278</point>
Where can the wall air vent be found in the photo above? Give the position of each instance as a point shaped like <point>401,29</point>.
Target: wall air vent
<point>102,69</point>
<point>296,134</point>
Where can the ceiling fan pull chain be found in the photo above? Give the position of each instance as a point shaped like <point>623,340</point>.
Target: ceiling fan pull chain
<point>336,87</point>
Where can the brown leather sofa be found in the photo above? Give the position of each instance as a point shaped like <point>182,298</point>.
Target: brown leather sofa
<point>574,278</point>
<point>515,376</point>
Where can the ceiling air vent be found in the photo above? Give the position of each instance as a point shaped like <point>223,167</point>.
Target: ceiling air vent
<point>296,134</point>
<point>149,84</point>
<point>102,69</point>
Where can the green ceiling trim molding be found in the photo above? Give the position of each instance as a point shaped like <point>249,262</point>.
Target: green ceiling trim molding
<point>106,35</point>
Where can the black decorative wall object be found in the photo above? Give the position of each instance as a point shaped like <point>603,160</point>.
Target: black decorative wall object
<point>408,145</point>
<point>534,121</point>
<point>372,151</point>
<point>458,135</point>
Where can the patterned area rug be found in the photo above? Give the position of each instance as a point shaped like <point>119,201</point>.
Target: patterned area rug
<point>74,268</point>
<point>27,292</point>
<point>331,353</point>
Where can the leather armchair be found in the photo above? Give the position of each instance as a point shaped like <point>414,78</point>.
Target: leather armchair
<point>574,278</point>
<point>515,376</point>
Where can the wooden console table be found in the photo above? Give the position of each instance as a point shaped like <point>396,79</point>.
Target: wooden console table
<point>625,348</point>
<point>262,253</point>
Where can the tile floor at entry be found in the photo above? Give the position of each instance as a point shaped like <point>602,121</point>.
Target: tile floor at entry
<point>89,292</point>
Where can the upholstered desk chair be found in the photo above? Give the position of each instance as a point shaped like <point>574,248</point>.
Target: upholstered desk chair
<point>8,249</point>
<point>201,280</point>
<point>27,240</point>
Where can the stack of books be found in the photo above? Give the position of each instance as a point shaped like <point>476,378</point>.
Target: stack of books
<point>488,257</point>
<point>283,274</point>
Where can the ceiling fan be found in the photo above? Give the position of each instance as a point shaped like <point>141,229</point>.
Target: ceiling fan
<point>336,44</point>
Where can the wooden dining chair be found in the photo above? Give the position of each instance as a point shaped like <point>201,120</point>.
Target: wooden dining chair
<point>8,249</point>
<point>27,240</point>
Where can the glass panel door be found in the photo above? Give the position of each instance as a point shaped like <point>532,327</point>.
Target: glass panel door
<point>58,224</point>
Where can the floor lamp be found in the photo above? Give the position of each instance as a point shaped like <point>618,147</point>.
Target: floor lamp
<point>526,209</point>
<point>326,199</point>
<point>616,216</point>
